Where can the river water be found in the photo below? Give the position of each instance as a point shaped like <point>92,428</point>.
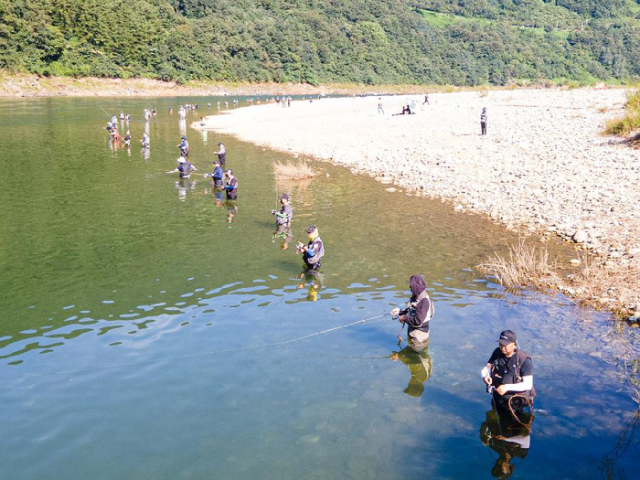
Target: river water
<point>149,330</point>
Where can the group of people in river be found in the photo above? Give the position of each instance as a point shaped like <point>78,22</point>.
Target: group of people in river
<point>508,373</point>
<point>507,376</point>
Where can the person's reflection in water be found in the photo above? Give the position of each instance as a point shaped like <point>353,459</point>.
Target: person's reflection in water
<point>419,364</point>
<point>508,437</point>
<point>232,211</point>
<point>217,191</point>
<point>284,233</point>
<point>183,185</point>
<point>312,279</point>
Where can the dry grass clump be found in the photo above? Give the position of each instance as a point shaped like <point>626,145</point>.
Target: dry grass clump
<point>631,120</point>
<point>611,288</point>
<point>525,266</point>
<point>293,171</point>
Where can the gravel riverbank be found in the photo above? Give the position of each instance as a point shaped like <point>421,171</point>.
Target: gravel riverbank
<point>543,165</point>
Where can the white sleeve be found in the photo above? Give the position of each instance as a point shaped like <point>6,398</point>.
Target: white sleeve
<point>525,384</point>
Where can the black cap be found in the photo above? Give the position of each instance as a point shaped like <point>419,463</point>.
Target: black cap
<point>506,337</point>
<point>311,228</point>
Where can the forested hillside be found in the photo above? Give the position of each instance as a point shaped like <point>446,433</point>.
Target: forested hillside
<point>463,42</point>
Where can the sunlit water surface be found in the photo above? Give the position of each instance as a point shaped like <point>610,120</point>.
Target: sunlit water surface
<point>145,327</point>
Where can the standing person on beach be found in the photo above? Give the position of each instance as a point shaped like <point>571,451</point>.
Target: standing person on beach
<point>426,99</point>
<point>232,185</point>
<point>483,121</point>
<point>417,315</point>
<point>380,109</point>
<point>222,154</point>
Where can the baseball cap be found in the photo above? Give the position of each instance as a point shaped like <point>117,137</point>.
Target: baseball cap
<point>311,229</point>
<point>284,196</point>
<point>506,337</point>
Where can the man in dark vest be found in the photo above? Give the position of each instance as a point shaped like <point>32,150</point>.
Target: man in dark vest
<point>508,374</point>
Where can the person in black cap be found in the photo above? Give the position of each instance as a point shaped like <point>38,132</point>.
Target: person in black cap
<point>417,314</point>
<point>508,374</point>
<point>283,217</point>
<point>313,252</point>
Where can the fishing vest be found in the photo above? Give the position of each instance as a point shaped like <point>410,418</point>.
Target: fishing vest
<point>430,312</point>
<point>509,373</point>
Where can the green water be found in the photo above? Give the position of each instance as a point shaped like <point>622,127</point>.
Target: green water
<point>135,314</point>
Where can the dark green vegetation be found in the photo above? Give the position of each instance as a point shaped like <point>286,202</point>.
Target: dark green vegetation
<point>463,42</point>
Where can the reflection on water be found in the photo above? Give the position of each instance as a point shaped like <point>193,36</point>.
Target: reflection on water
<point>419,364</point>
<point>509,437</point>
<point>136,322</point>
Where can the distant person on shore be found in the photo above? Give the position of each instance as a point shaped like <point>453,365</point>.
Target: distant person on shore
<point>145,140</point>
<point>380,109</point>
<point>417,315</point>
<point>313,251</point>
<point>406,110</point>
<point>483,121</point>
<point>127,139</point>
<point>232,185</point>
<point>426,99</point>
<point>508,374</point>
<point>217,175</point>
<point>284,216</point>
<point>184,168</point>
<point>222,154</point>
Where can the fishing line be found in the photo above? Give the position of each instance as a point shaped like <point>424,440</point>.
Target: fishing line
<point>228,350</point>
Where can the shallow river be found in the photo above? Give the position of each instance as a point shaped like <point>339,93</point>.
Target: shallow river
<point>149,331</point>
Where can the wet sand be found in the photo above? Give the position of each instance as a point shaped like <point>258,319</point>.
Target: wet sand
<point>543,166</point>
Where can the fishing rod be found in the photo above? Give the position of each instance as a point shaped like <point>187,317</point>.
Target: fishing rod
<point>229,350</point>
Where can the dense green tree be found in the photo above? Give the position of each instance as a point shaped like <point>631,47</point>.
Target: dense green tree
<point>366,41</point>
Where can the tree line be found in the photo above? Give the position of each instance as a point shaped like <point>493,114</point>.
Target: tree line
<point>325,41</point>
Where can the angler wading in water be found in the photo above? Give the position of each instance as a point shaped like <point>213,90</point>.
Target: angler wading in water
<point>313,251</point>
<point>417,315</point>
<point>508,376</point>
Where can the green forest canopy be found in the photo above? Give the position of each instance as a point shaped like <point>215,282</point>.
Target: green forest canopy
<point>461,42</point>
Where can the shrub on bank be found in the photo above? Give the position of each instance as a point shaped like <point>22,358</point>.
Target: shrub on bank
<point>631,120</point>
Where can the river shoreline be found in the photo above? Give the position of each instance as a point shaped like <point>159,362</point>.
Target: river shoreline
<point>543,168</point>
<point>30,85</point>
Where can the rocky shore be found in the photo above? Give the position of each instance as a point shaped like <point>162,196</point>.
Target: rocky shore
<point>543,167</point>
<point>30,85</point>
